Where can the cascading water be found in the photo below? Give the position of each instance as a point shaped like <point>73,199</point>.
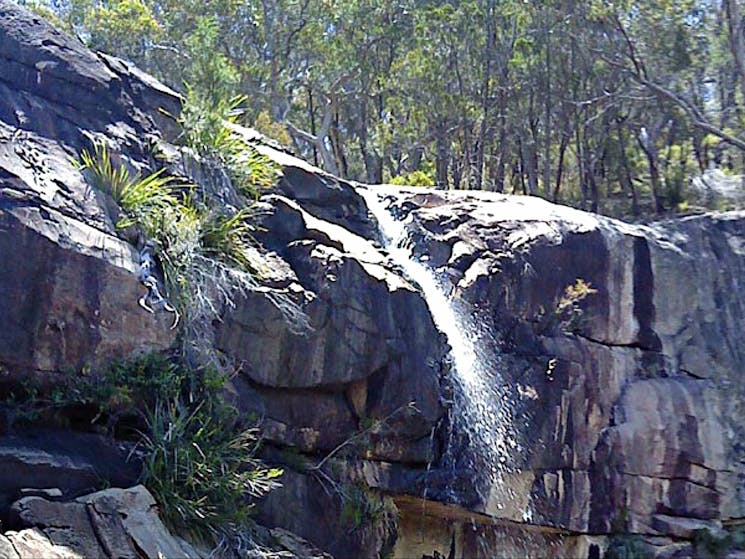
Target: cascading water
<point>481,407</point>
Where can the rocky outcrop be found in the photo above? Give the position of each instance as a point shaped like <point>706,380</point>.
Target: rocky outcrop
<point>630,418</point>
<point>65,272</point>
<point>109,523</point>
<point>622,403</point>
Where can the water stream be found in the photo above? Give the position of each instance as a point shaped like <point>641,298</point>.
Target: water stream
<point>481,441</point>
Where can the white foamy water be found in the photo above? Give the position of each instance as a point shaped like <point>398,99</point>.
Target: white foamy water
<point>481,407</point>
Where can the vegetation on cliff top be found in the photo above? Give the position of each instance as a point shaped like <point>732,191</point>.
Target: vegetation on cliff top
<point>609,106</point>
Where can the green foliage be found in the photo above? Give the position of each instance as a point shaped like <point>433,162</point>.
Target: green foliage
<point>274,130</point>
<point>202,474</point>
<point>710,545</point>
<point>198,464</point>
<point>627,546</point>
<point>414,178</point>
<point>542,97</point>
<point>156,206</point>
<point>48,13</point>
<point>163,211</point>
<point>210,74</point>
<point>362,506</point>
<point>119,394</point>
<point>209,129</point>
<point>203,122</point>
<point>136,195</point>
<point>253,171</point>
<point>568,311</point>
<point>230,238</point>
<point>125,27</point>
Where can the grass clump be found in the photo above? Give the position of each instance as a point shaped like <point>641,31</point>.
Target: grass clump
<point>198,462</point>
<point>208,255</point>
<point>230,238</point>
<point>362,506</point>
<point>414,178</point>
<point>139,197</point>
<point>203,475</point>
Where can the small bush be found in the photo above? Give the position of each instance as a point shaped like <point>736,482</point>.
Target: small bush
<point>203,475</point>
<point>568,312</point>
<point>137,196</point>
<point>362,506</point>
<point>274,130</point>
<point>155,205</point>
<point>414,178</point>
<point>209,128</point>
<point>626,546</point>
<point>230,238</point>
<point>117,398</point>
<point>197,463</point>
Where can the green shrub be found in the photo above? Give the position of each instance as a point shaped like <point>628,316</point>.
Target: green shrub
<point>362,506</point>
<point>568,312</point>
<point>120,394</point>
<point>203,475</point>
<point>209,128</point>
<point>197,463</point>
<point>625,546</point>
<point>156,206</point>
<point>414,178</point>
<point>137,196</point>
<point>274,130</point>
<point>230,238</point>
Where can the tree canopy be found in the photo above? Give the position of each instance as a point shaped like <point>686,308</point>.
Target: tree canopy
<point>610,106</point>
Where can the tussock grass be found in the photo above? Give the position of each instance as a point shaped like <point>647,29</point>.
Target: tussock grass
<point>209,130</point>
<point>230,238</point>
<point>138,196</point>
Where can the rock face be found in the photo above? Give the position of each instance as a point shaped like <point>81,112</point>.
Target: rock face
<point>634,417</point>
<point>623,396</point>
<point>109,523</point>
<point>64,270</point>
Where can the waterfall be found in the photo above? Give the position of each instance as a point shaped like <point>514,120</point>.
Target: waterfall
<point>481,407</point>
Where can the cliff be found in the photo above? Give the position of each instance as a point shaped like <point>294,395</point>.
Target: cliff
<point>512,378</point>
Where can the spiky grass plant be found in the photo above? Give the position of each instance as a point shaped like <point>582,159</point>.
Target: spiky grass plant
<point>209,128</point>
<point>205,123</point>
<point>198,461</point>
<point>157,205</point>
<point>138,196</point>
<point>202,471</point>
<point>254,170</point>
<point>208,256</point>
<point>204,476</point>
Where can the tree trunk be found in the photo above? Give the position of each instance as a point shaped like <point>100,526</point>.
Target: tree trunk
<point>627,179</point>
<point>547,123</point>
<point>735,34</point>
<point>312,119</point>
<point>650,151</point>
<point>502,157</point>
<point>565,137</point>
<point>442,157</point>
